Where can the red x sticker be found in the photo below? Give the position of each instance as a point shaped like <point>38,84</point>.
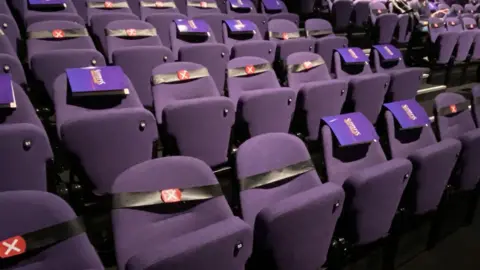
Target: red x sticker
<point>13,246</point>
<point>453,108</point>
<point>171,195</point>
<point>108,4</point>
<point>58,33</point>
<point>159,4</point>
<point>183,75</point>
<point>285,36</point>
<point>307,65</point>
<point>203,4</point>
<point>435,25</point>
<point>131,32</point>
<point>250,69</point>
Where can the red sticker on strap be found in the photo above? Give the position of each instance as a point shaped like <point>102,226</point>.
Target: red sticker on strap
<point>379,11</point>
<point>453,108</point>
<point>108,4</point>
<point>13,246</point>
<point>159,4</point>
<point>250,69</point>
<point>203,4</point>
<point>285,36</point>
<point>131,32</point>
<point>183,75</point>
<point>171,195</point>
<point>58,33</point>
<point>307,65</point>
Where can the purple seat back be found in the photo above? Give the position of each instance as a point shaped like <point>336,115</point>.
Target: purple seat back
<point>99,23</point>
<point>361,13</point>
<point>148,8</point>
<point>194,7</point>
<point>319,73</point>
<point>469,9</point>
<point>41,210</point>
<point>261,207</point>
<point>100,8</point>
<point>443,41</point>
<point>215,21</point>
<point>470,25</point>
<point>24,146</point>
<point>179,40</point>
<point>293,44</point>
<point>162,23</point>
<point>233,7</point>
<point>385,23</point>
<point>455,125</point>
<point>259,19</point>
<point>404,28</point>
<point>12,65</point>
<point>69,13</point>
<point>341,12</point>
<point>476,104</point>
<point>10,28</point>
<point>342,70</point>
<point>465,38</point>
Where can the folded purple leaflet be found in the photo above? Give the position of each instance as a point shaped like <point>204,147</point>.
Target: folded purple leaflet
<point>191,26</point>
<point>409,113</point>
<point>351,128</point>
<point>388,52</point>
<point>97,80</point>
<point>7,97</point>
<point>237,26</point>
<point>352,55</point>
<point>272,4</point>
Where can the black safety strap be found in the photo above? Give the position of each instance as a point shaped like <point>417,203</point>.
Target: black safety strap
<point>267,178</point>
<point>131,32</point>
<point>16,248</point>
<point>306,65</point>
<point>249,70</point>
<point>158,4</point>
<point>108,5</point>
<point>454,108</point>
<point>378,12</point>
<point>318,33</point>
<point>58,34</point>
<point>181,75</point>
<point>284,36</point>
<point>166,196</point>
<point>202,4</point>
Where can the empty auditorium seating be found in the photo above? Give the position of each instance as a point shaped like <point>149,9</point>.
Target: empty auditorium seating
<point>465,38</point>
<point>361,13</point>
<point>404,81</point>
<point>276,9</point>
<point>98,8</point>
<point>282,193</point>
<point>383,23</point>
<point>42,231</point>
<point>42,11</point>
<point>287,36</point>
<point>11,30</point>
<point>180,219</point>
<point>100,22</point>
<point>162,23</point>
<point>240,6</point>
<point>148,8</point>
<point>441,42</point>
<point>366,90</point>
<point>215,21</point>
<point>263,106</point>
<point>196,7</point>
<point>318,94</point>
<point>341,11</point>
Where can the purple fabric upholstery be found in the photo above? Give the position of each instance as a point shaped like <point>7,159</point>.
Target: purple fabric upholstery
<point>182,6</point>
<point>243,44</point>
<point>263,106</point>
<point>433,163</point>
<point>325,46</point>
<point>193,107</point>
<point>341,11</point>
<point>195,11</point>
<point>281,14</point>
<point>404,29</point>
<point>275,213</point>
<point>215,21</point>
<point>11,65</point>
<point>462,127</point>
<point>231,10</point>
<point>45,70</point>
<point>384,24</point>
<point>465,38</point>
<point>318,94</point>
<point>442,43</point>
<point>259,19</point>
<point>81,7</point>
<point>361,13</point>
<point>203,236</point>
<point>366,91</point>
<point>93,12</point>
<point>162,23</point>
<point>287,47</point>
<point>10,28</point>
<point>31,16</point>
<point>5,9</point>
<point>29,211</point>
<point>476,104</point>
<point>23,168</point>
<point>100,22</point>
<point>404,81</point>
<point>202,50</point>
<point>6,47</point>
<point>134,6</point>
<point>35,46</point>
<point>127,133</point>
<point>146,12</point>
<point>373,185</point>
<point>470,25</point>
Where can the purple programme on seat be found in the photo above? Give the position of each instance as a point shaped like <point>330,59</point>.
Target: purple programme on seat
<point>351,128</point>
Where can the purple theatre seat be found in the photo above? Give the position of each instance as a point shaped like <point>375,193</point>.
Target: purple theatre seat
<point>325,41</point>
<point>367,90</point>
<point>409,135</point>
<point>454,120</point>
<point>383,22</point>
<point>107,133</point>
<point>6,47</point>
<point>56,35</point>
<point>45,70</point>
<point>199,7</point>
<point>471,27</point>
<point>263,106</point>
<point>404,29</point>
<point>188,102</point>
<point>293,219</point>
<point>162,23</point>
<point>66,12</point>
<point>318,94</point>
<point>341,11</point>
<point>360,13</point>
<point>151,7</point>
<point>99,8</point>
<point>441,42</point>
<point>4,9</point>
<point>10,29</point>
<point>100,22</point>
<point>404,81</point>
<point>25,149</point>
<point>135,46</point>
<point>287,36</point>
<point>456,10</point>
<point>11,65</point>
<point>465,38</point>
<point>475,99</point>
<point>196,43</point>
<point>277,10</point>
<point>244,39</point>
<point>259,19</point>
<point>30,211</point>
<point>215,21</point>
<point>354,159</point>
<point>469,10</point>
<point>179,232</point>
<point>240,7</point>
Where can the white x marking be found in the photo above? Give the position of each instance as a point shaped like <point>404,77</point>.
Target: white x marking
<point>183,75</point>
<point>58,33</point>
<point>249,69</point>
<point>11,246</point>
